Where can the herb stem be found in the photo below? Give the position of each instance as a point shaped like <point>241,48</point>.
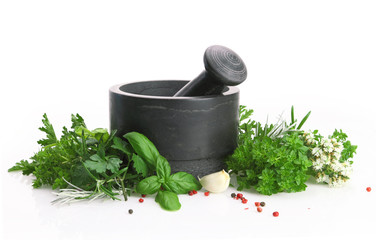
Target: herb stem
<point>123,189</point>
<point>122,181</point>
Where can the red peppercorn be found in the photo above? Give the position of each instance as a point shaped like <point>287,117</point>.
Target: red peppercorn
<point>276,214</point>
<point>194,191</point>
<point>206,193</point>
<point>244,200</point>
<point>143,195</point>
<point>190,193</point>
<point>259,209</point>
<point>368,189</point>
<point>239,195</point>
<point>237,198</point>
<point>257,204</point>
<point>141,200</point>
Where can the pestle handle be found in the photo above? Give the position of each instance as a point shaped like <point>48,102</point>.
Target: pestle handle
<point>223,68</point>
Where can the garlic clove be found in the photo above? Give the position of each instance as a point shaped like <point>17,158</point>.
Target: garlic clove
<point>216,182</point>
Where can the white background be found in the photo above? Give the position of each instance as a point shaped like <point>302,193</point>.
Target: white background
<point>61,57</point>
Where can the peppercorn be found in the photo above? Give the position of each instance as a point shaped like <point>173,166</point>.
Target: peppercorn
<point>257,204</point>
<point>130,211</point>
<point>239,195</point>
<point>368,189</point>
<point>206,193</point>
<point>190,193</point>
<point>262,204</point>
<point>244,200</point>
<point>143,195</point>
<point>276,214</point>
<point>194,191</point>
<point>233,195</point>
<point>141,200</point>
<point>259,209</point>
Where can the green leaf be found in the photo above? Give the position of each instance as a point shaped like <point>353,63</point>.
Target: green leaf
<point>77,121</point>
<point>99,167</point>
<point>148,185</point>
<point>80,129</point>
<point>96,158</point>
<point>100,133</point>
<point>81,178</point>
<point>182,182</point>
<point>113,164</point>
<point>244,113</point>
<point>140,165</point>
<point>143,147</point>
<point>119,144</point>
<point>50,132</point>
<point>303,120</point>
<point>163,168</point>
<point>24,166</point>
<point>292,115</point>
<point>168,200</point>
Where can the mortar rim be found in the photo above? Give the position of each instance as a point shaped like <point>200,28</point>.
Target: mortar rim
<point>116,89</point>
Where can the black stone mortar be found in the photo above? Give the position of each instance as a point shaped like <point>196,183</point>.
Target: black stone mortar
<point>194,134</point>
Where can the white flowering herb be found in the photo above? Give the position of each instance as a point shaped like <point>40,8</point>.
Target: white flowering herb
<point>330,157</point>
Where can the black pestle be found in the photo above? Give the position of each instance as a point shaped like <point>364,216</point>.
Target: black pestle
<point>223,68</point>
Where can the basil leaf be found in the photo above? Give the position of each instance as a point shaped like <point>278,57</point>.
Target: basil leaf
<point>182,182</point>
<point>149,185</point>
<point>140,165</point>
<point>163,168</point>
<point>143,147</point>
<point>168,200</point>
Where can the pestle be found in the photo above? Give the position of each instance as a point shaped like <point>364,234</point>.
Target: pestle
<point>223,67</point>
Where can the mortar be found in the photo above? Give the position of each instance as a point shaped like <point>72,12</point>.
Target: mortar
<point>194,134</point>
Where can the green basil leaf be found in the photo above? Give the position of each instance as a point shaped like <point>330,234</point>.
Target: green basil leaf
<point>143,147</point>
<point>182,182</point>
<point>163,168</point>
<point>168,200</point>
<point>149,185</point>
<point>140,165</point>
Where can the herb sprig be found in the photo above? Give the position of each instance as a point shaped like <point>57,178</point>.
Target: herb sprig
<point>86,164</point>
<point>280,157</point>
<point>165,184</point>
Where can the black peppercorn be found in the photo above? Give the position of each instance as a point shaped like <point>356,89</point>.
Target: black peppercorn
<point>262,204</point>
<point>233,195</point>
<point>130,211</point>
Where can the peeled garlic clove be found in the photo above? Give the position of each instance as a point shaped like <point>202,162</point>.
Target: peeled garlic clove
<point>216,182</point>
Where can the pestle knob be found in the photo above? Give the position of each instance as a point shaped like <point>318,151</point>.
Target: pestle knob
<point>223,68</point>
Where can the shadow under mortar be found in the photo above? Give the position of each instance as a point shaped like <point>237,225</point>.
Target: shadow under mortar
<point>194,134</point>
